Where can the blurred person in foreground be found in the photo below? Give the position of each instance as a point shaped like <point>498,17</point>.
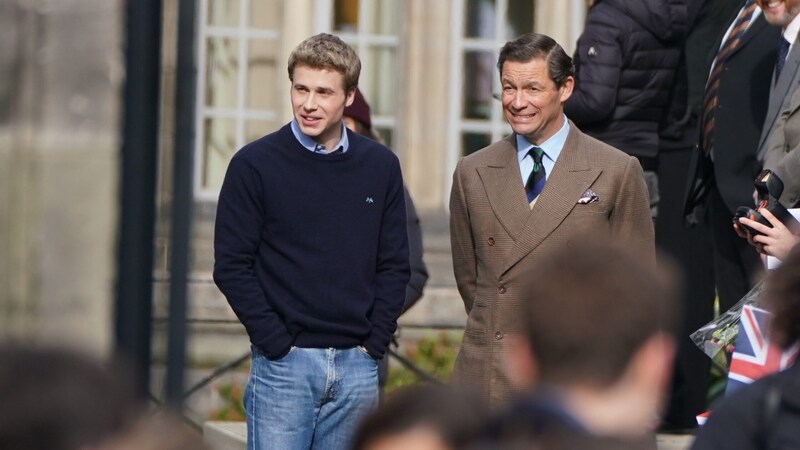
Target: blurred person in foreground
<point>765,414</point>
<point>311,252</point>
<point>518,200</point>
<point>358,118</point>
<point>58,399</point>
<point>422,417</point>
<point>594,354</point>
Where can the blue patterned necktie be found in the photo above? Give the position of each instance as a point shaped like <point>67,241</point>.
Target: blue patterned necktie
<point>538,176</point>
<point>783,51</point>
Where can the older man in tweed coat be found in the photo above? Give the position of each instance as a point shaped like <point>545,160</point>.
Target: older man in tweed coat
<point>502,227</point>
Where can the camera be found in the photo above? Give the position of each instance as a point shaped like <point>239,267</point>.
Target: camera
<point>769,189</point>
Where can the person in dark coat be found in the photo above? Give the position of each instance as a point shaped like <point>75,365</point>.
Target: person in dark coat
<point>765,414</point>
<point>357,117</point>
<point>722,170</point>
<point>691,247</point>
<point>625,65</point>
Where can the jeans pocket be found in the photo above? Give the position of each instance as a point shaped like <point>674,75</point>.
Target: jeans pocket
<point>364,351</point>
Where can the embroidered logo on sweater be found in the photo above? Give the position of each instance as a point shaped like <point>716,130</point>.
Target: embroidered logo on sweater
<point>370,200</point>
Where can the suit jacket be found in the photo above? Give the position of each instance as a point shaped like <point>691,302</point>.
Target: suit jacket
<point>781,134</point>
<point>742,107</point>
<point>498,240</point>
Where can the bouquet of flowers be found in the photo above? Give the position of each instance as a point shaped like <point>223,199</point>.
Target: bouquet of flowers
<point>716,338</point>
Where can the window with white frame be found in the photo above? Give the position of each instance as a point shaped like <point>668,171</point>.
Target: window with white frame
<point>237,99</point>
<point>481,28</point>
<point>371,27</point>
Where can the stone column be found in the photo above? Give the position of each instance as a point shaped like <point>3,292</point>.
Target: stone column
<point>423,100</point>
<point>62,65</point>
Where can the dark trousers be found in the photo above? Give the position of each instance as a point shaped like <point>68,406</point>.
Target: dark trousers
<point>690,249</point>
<point>736,263</point>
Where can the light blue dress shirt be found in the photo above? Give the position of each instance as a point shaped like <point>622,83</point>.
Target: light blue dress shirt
<point>312,145</point>
<point>551,147</point>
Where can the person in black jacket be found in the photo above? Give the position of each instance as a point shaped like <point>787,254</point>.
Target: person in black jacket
<point>625,65</point>
<point>765,414</point>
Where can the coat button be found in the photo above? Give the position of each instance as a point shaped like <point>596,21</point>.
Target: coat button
<point>501,289</point>
<point>498,335</point>
<point>490,241</point>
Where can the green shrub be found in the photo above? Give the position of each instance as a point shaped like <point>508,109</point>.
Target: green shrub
<point>434,354</point>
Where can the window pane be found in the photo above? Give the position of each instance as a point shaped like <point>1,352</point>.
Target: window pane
<point>262,75</point>
<point>219,145</point>
<point>387,136</point>
<point>345,15</point>
<point>380,69</point>
<point>520,18</point>
<point>480,18</point>
<point>222,72</point>
<point>384,17</point>
<point>472,142</point>
<point>254,129</point>
<point>223,13</point>
<point>479,74</point>
<point>265,14</point>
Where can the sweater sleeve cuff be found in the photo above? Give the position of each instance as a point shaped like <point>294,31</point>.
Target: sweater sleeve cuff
<point>375,346</point>
<point>275,348</point>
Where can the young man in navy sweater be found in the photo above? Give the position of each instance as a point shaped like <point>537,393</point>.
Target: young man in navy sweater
<point>311,252</point>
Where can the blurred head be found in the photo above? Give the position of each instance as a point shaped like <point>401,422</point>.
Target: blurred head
<point>422,417</point>
<point>57,399</point>
<point>782,298</point>
<point>597,328</point>
<point>591,310</point>
<point>536,77</point>
<point>324,72</point>
<point>779,12</point>
<point>357,115</point>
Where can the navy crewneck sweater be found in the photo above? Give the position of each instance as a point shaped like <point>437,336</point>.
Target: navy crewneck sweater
<point>311,250</point>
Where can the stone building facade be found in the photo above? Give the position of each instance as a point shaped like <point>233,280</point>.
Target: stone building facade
<point>428,73</point>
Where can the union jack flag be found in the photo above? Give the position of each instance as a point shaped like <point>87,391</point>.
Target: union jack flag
<point>753,355</point>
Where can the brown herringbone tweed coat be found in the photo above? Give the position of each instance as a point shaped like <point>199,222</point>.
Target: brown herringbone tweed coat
<point>498,240</point>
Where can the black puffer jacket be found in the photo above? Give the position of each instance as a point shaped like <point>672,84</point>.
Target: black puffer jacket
<point>625,65</point>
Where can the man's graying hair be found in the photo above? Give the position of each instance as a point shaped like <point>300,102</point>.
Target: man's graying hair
<point>326,51</point>
<point>534,45</point>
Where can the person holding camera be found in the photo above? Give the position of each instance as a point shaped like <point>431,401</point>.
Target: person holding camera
<point>776,240</point>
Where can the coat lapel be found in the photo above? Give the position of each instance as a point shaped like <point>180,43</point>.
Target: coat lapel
<point>572,176</point>
<point>780,91</point>
<point>748,35</point>
<point>503,184</point>
<point>751,32</point>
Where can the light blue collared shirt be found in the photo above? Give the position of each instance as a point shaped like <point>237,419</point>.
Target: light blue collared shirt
<point>551,147</point>
<point>312,145</point>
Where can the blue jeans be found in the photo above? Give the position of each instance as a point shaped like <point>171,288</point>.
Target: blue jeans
<point>312,398</point>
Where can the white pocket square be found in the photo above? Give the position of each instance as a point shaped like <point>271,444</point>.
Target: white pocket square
<point>588,197</point>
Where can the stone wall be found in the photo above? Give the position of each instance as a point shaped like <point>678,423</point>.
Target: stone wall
<point>61,63</point>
